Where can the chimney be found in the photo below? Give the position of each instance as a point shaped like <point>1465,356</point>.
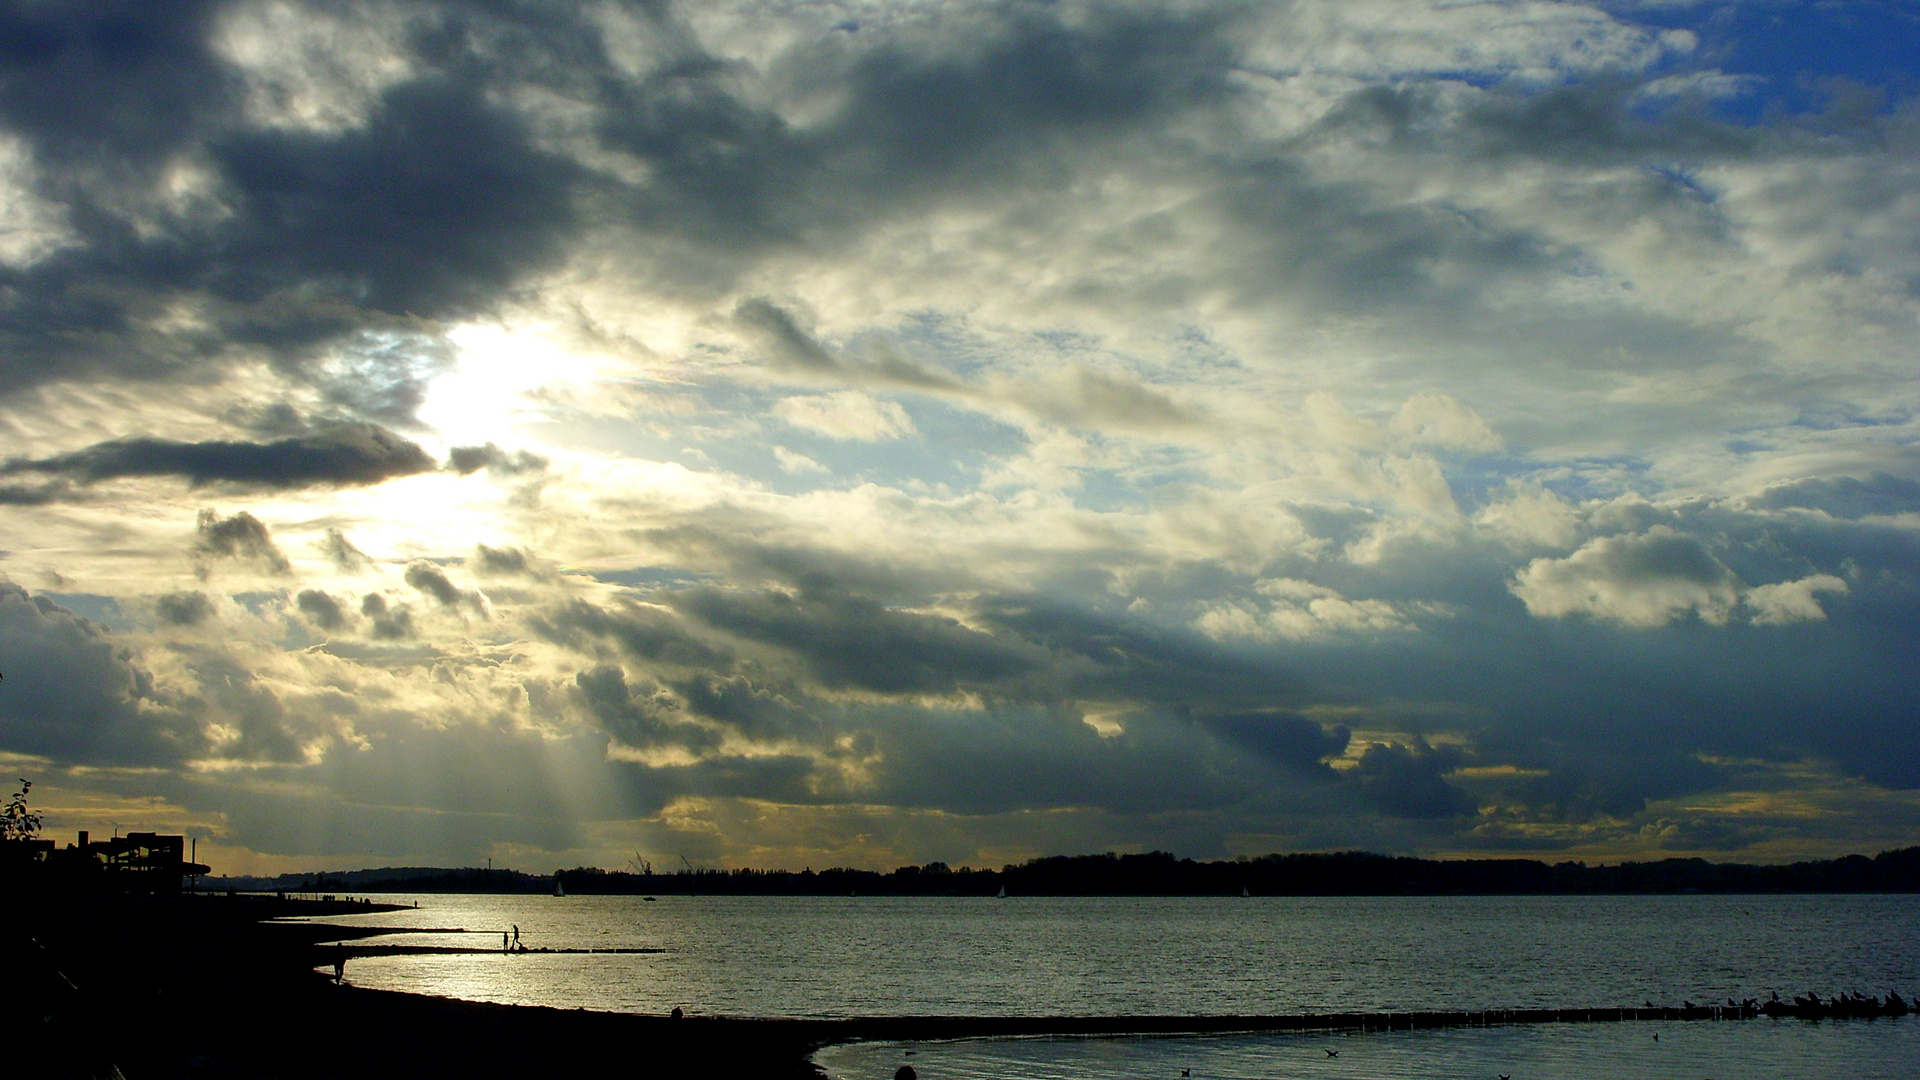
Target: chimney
<point>83,839</point>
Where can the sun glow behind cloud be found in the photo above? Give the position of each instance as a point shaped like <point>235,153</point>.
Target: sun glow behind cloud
<point>498,372</point>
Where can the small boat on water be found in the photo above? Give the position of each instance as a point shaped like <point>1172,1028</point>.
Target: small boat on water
<point>559,887</point>
<point>1003,892</point>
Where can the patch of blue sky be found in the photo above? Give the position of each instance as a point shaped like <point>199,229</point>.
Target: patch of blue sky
<point>260,602</point>
<point>1598,478</point>
<point>1108,491</point>
<point>90,606</point>
<point>1797,53</point>
<point>1683,178</point>
<point>943,340</point>
<point>646,577</point>
<point>1482,479</point>
<point>1836,416</point>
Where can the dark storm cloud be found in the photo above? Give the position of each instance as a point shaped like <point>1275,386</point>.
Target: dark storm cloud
<point>730,544</point>
<point>787,345</point>
<point>643,632</point>
<point>1410,781</point>
<point>433,581</point>
<point>241,536</point>
<point>470,459</point>
<point>337,548</point>
<point>501,561</point>
<point>439,202</point>
<point>184,608</point>
<point>852,641</point>
<point>754,711</point>
<point>1134,659</point>
<point>1289,741</point>
<point>969,99</point>
<point>786,342</point>
<point>347,455</point>
<point>321,609</point>
<point>99,82</point>
<point>36,494</point>
<point>639,716</point>
<point>389,623</point>
<point>431,208</point>
<point>1845,496</point>
<point>74,695</point>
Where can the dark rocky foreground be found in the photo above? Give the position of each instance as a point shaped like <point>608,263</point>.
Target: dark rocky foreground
<point>205,987</point>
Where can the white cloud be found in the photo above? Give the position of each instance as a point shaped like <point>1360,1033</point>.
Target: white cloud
<point>1792,601</point>
<point>793,463</point>
<point>1644,580</point>
<point>846,414</point>
<point>1530,516</point>
<point>1431,418</point>
<point>1295,610</point>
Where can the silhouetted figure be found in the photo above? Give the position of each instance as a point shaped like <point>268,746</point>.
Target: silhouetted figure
<point>676,1013</point>
<point>504,946</point>
<point>339,963</point>
<point>516,935</point>
<point>905,1072</point>
<point>1333,1053</point>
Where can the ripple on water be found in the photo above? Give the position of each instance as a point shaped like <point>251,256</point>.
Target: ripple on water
<point>1776,1049</point>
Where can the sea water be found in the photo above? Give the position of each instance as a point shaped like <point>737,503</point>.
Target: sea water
<point>1077,956</point>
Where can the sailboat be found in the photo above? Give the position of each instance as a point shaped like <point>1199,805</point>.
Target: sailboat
<point>559,888</point>
<point>1003,892</point>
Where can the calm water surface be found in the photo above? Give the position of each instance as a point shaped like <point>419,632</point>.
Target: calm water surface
<point>867,956</point>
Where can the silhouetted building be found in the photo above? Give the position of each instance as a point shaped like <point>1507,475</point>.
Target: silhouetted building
<point>140,862</point>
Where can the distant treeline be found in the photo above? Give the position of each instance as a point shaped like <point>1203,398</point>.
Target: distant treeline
<point>1353,873</point>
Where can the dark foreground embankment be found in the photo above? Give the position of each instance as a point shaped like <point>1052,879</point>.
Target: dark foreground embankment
<point>202,987</point>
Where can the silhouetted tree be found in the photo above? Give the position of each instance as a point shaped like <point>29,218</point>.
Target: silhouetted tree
<point>18,821</point>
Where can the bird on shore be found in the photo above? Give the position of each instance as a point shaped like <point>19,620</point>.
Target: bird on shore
<point>1333,1053</point>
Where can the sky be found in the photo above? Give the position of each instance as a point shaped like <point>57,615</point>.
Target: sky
<point>779,434</point>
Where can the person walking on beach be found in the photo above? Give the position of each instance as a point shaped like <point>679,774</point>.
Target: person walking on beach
<point>516,937</point>
<point>504,947</point>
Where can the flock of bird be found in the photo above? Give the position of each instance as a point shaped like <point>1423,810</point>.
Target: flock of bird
<point>1808,1006</point>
